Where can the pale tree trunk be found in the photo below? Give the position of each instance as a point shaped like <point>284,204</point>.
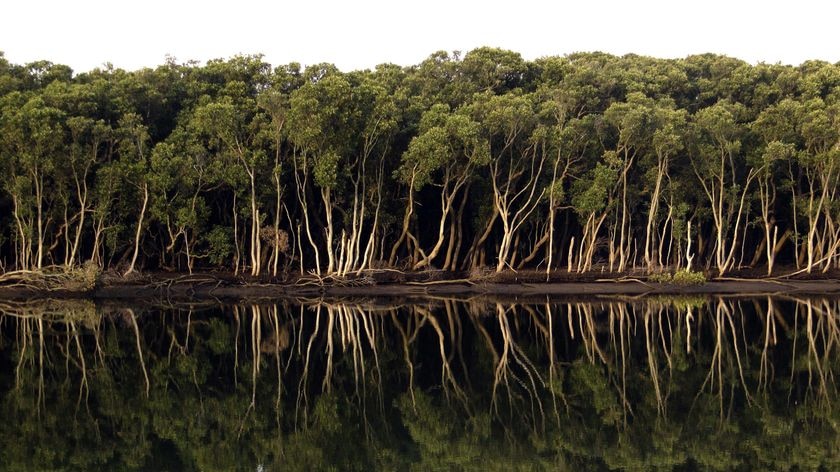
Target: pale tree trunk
<point>454,230</point>
<point>447,197</point>
<point>654,209</point>
<point>256,248</point>
<point>370,248</point>
<point>409,210</point>
<point>39,199</point>
<point>813,221</point>
<point>302,183</point>
<point>329,230</point>
<point>24,243</point>
<point>82,196</point>
<point>237,254</point>
<point>767,197</point>
<point>525,199</point>
<point>99,228</point>
<point>729,261</point>
<point>477,246</point>
<point>139,231</point>
<point>624,241</point>
<point>689,257</point>
<point>276,254</point>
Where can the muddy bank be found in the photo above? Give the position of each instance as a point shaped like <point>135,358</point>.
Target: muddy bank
<point>208,288</point>
<point>746,287</point>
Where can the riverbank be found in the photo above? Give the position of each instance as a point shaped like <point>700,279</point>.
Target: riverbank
<point>224,286</point>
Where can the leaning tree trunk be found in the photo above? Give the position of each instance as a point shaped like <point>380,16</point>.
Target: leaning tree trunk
<point>139,229</point>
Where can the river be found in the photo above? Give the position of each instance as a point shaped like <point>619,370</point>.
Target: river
<point>635,383</point>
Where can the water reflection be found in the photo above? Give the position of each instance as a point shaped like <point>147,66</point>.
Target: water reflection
<point>650,383</point>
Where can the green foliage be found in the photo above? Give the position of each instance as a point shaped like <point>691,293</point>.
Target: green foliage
<point>591,195</point>
<point>326,169</point>
<point>661,278</point>
<point>220,246</point>
<point>681,277</point>
<point>631,148</point>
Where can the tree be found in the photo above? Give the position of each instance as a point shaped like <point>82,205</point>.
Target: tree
<point>720,171</point>
<point>33,134</point>
<point>517,157</point>
<point>134,165</point>
<point>445,153</point>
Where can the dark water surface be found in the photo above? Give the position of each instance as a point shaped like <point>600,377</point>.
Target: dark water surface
<point>681,384</point>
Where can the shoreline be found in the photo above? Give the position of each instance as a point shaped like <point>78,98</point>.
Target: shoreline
<point>221,289</point>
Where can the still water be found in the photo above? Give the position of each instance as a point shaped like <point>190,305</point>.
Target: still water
<point>441,384</point>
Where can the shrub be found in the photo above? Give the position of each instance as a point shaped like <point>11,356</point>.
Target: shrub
<point>687,277</point>
<point>661,278</point>
<point>681,277</point>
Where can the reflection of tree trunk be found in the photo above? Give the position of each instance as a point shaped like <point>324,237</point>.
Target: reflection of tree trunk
<point>256,340</point>
<point>812,350</point>
<point>447,377</point>
<point>716,365</point>
<point>511,351</point>
<point>278,346</point>
<point>764,371</point>
<point>133,320</point>
<point>653,366</point>
<point>406,355</point>
<point>83,387</point>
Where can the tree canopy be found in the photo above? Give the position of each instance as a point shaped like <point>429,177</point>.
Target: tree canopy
<point>462,162</point>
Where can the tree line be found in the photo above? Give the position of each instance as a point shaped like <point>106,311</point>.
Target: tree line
<point>475,162</point>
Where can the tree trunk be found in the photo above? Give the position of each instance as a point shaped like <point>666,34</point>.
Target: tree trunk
<point>139,231</point>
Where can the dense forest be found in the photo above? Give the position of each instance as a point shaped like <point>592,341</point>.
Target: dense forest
<point>480,162</point>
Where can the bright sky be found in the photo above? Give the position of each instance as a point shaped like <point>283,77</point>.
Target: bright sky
<point>360,34</point>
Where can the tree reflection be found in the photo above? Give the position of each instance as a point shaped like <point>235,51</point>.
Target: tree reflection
<point>652,383</point>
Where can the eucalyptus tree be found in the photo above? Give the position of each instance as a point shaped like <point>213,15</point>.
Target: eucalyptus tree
<point>820,166</point>
<point>225,164</point>
<point>134,166</point>
<point>320,133</point>
<point>445,153</point>
<point>436,81</point>
<point>666,142</point>
<point>567,130</point>
<point>495,70</point>
<point>633,125</point>
<point>719,167</point>
<point>710,79</point>
<point>230,129</point>
<point>593,199</point>
<point>9,81</point>
<point>110,208</point>
<point>33,134</point>
<point>375,114</point>
<point>276,105</point>
<point>777,125</point>
<point>91,144</point>
<point>516,158</point>
<point>643,135</point>
<point>179,177</point>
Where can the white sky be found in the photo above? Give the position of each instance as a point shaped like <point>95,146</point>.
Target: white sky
<point>360,34</point>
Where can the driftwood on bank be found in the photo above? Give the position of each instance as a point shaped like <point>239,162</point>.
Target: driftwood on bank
<point>87,283</point>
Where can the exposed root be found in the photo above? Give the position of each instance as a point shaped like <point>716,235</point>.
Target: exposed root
<point>316,280</point>
<point>52,278</point>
